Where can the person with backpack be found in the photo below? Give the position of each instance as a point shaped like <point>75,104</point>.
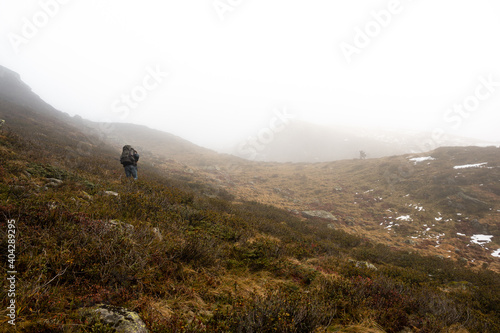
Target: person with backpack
<point>129,159</point>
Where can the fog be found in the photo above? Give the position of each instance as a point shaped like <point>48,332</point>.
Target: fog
<point>222,73</point>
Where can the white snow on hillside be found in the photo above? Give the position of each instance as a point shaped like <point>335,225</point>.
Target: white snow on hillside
<point>421,159</point>
<point>481,239</point>
<point>496,253</point>
<point>477,165</point>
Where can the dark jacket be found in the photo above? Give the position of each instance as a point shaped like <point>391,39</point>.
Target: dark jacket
<point>136,157</point>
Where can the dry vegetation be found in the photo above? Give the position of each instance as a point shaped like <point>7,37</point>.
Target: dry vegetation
<point>367,197</point>
<point>192,257</point>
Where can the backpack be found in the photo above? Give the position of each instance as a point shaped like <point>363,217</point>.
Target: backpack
<point>127,156</point>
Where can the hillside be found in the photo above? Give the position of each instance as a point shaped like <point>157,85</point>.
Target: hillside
<point>224,248</point>
<point>436,203</point>
<point>158,145</point>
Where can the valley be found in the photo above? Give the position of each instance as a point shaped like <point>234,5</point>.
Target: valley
<point>208,242</point>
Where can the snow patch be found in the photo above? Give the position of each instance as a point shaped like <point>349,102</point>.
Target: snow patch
<point>477,165</point>
<point>419,208</point>
<point>421,159</point>
<point>496,253</point>
<point>404,218</point>
<point>481,239</point>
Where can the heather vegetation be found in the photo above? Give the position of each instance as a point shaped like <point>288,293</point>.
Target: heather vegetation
<point>191,258</point>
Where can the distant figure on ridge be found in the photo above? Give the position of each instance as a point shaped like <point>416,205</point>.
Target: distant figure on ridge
<point>129,159</point>
<point>362,155</point>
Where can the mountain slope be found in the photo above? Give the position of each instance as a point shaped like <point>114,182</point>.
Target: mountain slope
<point>190,260</point>
<point>158,144</point>
<point>20,101</point>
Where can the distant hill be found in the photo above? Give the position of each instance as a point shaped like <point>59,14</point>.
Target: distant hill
<point>39,117</point>
<point>305,142</point>
<point>158,144</point>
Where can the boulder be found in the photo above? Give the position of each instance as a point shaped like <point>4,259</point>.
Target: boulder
<point>365,264</point>
<point>319,213</point>
<point>54,182</point>
<point>119,320</point>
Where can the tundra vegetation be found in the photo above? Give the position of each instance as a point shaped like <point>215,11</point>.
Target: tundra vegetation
<point>190,262</point>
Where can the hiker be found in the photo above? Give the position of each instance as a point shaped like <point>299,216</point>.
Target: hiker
<point>129,160</point>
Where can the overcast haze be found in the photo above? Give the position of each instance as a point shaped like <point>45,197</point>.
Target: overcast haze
<point>216,72</point>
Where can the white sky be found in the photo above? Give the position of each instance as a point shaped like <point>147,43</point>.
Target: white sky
<point>229,68</point>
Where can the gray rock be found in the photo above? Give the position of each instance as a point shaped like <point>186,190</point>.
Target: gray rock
<point>54,182</point>
<point>319,213</point>
<point>86,195</point>
<point>366,264</point>
<point>212,168</point>
<point>120,225</point>
<point>479,227</point>
<point>471,199</point>
<point>119,319</point>
<point>19,191</point>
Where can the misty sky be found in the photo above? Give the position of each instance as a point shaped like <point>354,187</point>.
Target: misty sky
<point>218,71</point>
